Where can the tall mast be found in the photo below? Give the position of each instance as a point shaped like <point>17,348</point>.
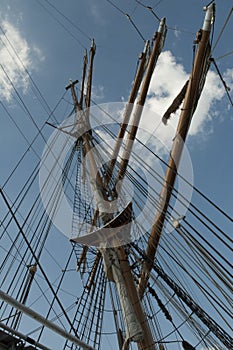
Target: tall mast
<point>83,80</point>
<point>147,341</point>
<point>157,48</point>
<point>128,109</point>
<point>195,86</point>
<point>116,264</point>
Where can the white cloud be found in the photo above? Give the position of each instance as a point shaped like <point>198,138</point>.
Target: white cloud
<point>14,51</point>
<point>168,79</point>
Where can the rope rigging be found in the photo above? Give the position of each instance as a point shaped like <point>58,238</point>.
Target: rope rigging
<point>173,256</point>
<point>216,329</point>
<point>222,30</point>
<point>227,89</point>
<point>128,17</point>
<point>60,23</point>
<point>132,179</point>
<point>162,161</point>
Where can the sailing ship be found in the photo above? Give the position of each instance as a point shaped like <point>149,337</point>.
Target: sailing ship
<point>126,283</point>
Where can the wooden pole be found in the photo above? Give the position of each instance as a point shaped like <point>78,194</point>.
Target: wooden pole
<point>89,79</point>
<point>147,342</point>
<point>128,111</point>
<point>196,83</point>
<point>83,80</point>
<point>157,48</point>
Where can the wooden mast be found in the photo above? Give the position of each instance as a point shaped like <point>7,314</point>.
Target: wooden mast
<point>156,50</point>
<point>147,342</point>
<point>196,83</point>
<point>128,110</point>
<point>120,271</point>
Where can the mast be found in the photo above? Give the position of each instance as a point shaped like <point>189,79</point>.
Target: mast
<point>195,86</point>
<point>157,48</point>
<point>116,264</point>
<point>128,110</point>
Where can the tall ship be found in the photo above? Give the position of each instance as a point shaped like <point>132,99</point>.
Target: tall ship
<point>107,242</point>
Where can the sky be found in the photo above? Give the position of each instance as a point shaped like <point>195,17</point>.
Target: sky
<point>51,48</point>
<point>49,42</point>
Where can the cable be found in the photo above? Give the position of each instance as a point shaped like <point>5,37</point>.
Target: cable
<point>128,17</point>
<point>37,262</point>
<point>62,25</point>
<point>69,20</point>
<point>227,89</point>
<point>165,163</point>
<point>135,27</point>
<point>151,9</point>
<point>222,30</point>
<point>225,55</point>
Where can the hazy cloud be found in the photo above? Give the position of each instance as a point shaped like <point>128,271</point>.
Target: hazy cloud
<point>15,57</point>
<point>96,13</point>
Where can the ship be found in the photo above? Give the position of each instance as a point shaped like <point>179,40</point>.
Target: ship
<point>100,248</point>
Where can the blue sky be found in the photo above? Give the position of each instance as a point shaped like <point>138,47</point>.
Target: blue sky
<point>53,57</point>
<point>53,53</point>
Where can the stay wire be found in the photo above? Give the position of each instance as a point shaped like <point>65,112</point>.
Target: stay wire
<point>177,308</point>
<point>227,89</point>
<point>69,20</point>
<point>151,9</point>
<point>176,196</point>
<point>132,180</point>
<point>165,163</point>
<point>22,102</point>
<point>62,25</point>
<point>128,17</point>
<point>56,291</point>
<point>29,143</point>
<point>186,271</point>
<point>38,263</point>
<point>161,272</point>
<point>190,271</point>
<point>225,55</point>
<point>222,30</point>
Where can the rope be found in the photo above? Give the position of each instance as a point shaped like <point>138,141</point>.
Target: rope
<point>166,164</point>
<point>128,17</point>
<point>38,263</point>
<point>61,24</point>
<point>222,30</point>
<point>227,89</point>
<point>69,20</point>
<point>225,55</point>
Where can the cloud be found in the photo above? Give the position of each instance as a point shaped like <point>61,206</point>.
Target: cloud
<point>15,57</point>
<point>167,81</point>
